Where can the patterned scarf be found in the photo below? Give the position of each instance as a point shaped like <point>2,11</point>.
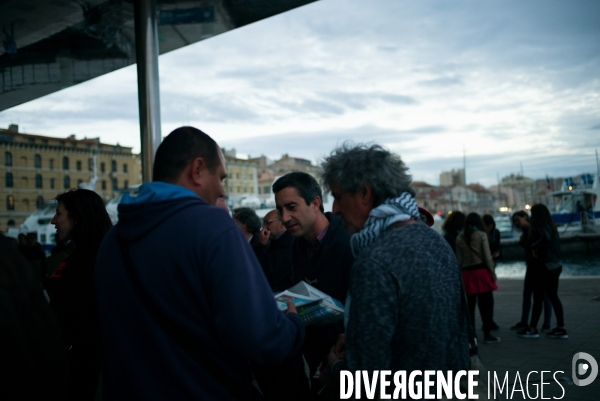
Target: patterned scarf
<point>402,208</point>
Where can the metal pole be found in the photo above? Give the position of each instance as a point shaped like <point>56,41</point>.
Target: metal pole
<point>146,51</point>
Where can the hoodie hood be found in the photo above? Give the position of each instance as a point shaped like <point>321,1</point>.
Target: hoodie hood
<point>156,202</point>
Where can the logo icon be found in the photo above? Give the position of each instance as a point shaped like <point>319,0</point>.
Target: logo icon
<point>582,369</point>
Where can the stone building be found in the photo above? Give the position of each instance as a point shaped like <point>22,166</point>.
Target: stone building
<point>36,168</point>
<point>242,176</point>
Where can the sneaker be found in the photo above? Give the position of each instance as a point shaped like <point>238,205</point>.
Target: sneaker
<point>491,339</point>
<point>545,328</point>
<point>557,333</point>
<point>519,326</point>
<point>528,333</point>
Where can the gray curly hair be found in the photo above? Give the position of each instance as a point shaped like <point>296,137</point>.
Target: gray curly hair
<point>353,167</point>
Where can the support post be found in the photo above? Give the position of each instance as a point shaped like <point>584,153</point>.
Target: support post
<point>146,52</point>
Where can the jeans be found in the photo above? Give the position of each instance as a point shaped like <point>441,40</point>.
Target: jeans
<point>486,305</point>
<point>527,294</point>
<point>546,283</point>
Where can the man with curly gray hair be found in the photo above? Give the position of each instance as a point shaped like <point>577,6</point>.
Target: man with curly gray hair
<point>404,307</point>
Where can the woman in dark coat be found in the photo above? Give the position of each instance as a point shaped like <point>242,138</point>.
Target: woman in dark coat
<point>81,219</point>
<point>546,269</point>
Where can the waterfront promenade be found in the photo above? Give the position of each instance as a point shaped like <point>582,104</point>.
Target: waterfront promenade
<point>514,354</point>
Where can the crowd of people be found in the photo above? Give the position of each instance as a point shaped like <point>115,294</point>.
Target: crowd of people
<point>176,300</point>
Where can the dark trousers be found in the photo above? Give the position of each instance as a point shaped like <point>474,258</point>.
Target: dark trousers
<point>486,305</point>
<point>546,282</point>
<point>527,294</point>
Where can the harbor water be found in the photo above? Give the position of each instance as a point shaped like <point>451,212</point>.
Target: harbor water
<point>574,265</point>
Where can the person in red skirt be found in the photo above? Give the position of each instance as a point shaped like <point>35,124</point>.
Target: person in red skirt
<point>477,268</point>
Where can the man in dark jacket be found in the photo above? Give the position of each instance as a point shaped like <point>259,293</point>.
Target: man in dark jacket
<point>320,252</point>
<point>183,303</point>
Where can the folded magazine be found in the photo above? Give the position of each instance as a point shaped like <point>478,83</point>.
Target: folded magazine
<point>314,306</point>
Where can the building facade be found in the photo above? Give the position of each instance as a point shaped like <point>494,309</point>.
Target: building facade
<point>452,178</point>
<point>34,169</point>
<point>242,175</point>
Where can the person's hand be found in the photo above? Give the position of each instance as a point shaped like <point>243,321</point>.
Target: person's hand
<point>291,308</point>
<point>338,351</point>
<point>264,236</point>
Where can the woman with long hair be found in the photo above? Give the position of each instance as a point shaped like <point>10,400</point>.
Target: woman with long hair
<point>452,226</point>
<point>545,269</point>
<point>521,221</point>
<point>82,220</point>
<point>477,268</point>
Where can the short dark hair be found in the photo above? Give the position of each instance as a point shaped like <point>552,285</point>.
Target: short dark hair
<point>520,213</point>
<point>179,148</point>
<point>86,209</point>
<point>353,167</point>
<point>248,216</point>
<point>488,220</point>
<point>306,185</point>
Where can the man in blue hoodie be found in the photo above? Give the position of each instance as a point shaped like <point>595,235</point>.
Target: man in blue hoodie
<point>183,303</point>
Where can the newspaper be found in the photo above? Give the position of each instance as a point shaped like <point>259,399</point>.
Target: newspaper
<point>314,306</point>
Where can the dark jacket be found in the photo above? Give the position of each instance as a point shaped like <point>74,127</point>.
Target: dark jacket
<point>327,270</point>
<point>278,270</point>
<point>329,267</point>
<point>73,299</point>
<point>545,242</point>
<point>196,265</point>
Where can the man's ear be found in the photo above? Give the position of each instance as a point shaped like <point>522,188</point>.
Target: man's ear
<point>197,170</point>
<point>316,203</point>
<point>366,195</point>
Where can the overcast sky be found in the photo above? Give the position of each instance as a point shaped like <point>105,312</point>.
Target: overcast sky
<point>511,82</point>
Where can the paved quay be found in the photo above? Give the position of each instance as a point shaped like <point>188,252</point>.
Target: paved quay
<point>581,302</point>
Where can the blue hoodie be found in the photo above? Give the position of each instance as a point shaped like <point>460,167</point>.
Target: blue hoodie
<point>201,272</point>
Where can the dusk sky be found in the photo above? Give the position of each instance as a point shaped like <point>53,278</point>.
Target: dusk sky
<point>511,82</point>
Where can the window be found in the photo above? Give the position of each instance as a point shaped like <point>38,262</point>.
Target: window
<point>10,202</point>
<point>8,178</point>
<point>79,182</point>
<point>91,164</point>
<point>7,159</point>
<point>37,161</point>
<point>103,185</point>
<point>51,164</point>
<point>114,183</point>
<point>73,144</point>
<point>39,202</point>
<point>78,165</point>
<point>267,190</point>
<point>61,143</point>
<point>38,180</point>
<point>113,166</point>
<point>67,182</point>
<point>126,184</point>
<point>45,142</point>
<point>30,140</point>
<point>102,167</point>
<point>124,167</point>
<point>65,163</point>
<point>51,183</point>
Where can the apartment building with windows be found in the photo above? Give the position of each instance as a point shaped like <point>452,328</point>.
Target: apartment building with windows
<point>36,168</point>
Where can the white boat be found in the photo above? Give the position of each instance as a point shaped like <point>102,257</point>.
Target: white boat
<point>578,207</point>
